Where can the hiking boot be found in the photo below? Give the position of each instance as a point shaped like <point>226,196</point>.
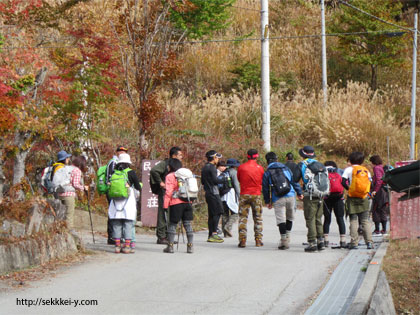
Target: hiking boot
<point>343,244</point>
<point>227,233</point>
<point>312,247</point>
<point>126,250</point>
<point>162,241</point>
<point>321,245</point>
<point>215,239</point>
<point>117,249</point>
<point>190,249</point>
<point>352,246</point>
<point>169,248</point>
<point>284,244</point>
<point>242,243</point>
<point>259,243</point>
<point>369,245</point>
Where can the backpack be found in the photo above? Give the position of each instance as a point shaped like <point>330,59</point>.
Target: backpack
<point>101,182</point>
<point>318,183</point>
<point>46,182</point>
<point>279,182</point>
<point>61,181</point>
<point>118,184</point>
<point>360,183</point>
<point>187,183</point>
<point>336,188</point>
<point>226,186</point>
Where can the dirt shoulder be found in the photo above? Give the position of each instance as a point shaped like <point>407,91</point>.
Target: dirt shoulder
<point>402,268</point>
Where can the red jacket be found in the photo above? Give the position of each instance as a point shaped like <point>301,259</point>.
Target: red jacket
<point>250,175</point>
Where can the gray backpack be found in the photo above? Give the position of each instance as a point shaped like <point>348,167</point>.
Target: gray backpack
<point>318,183</point>
<point>61,180</point>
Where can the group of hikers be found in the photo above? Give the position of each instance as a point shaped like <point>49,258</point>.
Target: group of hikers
<point>232,190</point>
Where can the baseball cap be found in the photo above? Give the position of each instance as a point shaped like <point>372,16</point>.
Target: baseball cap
<point>121,148</point>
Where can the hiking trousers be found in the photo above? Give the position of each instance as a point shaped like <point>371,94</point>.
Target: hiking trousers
<point>228,218</point>
<point>161,218</point>
<point>253,202</point>
<point>69,202</point>
<point>313,211</point>
<point>354,225</point>
<point>284,209</point>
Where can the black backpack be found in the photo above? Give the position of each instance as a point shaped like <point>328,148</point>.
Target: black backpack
<point>225,187</point>
<point>279,182</point>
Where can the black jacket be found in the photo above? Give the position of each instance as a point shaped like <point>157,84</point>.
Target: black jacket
<point>209,179</point>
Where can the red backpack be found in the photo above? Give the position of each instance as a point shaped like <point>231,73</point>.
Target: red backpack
<point>336,188</point>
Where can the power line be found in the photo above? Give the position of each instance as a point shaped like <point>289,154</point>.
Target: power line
<point>373,16</point>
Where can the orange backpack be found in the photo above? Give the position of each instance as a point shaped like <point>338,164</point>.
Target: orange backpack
<point>360,183</point>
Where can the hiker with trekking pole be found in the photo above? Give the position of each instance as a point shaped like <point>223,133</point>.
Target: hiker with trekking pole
<point>66,181</point>
<point>178,181</point>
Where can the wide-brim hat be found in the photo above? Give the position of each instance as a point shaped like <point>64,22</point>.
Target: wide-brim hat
<point>124,158</point>
<point>233,163</point>
<point>62,155</point>
<point>307,152</point>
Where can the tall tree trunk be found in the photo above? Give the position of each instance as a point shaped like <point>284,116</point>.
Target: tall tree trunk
<point>23,142</point>
<point>2,177</point>
<point>374,79</point>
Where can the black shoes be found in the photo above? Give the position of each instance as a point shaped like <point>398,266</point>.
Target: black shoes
<point>312,247</point>
<point>162,241</point>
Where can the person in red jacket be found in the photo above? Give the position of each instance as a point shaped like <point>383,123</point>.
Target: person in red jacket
<point>178,209</point>
<point>250,175</point>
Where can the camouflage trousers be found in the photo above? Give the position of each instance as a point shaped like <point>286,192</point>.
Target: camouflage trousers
<point>255,203</point>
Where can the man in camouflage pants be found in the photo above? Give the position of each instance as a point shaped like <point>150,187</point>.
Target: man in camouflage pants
<point>250,175</point>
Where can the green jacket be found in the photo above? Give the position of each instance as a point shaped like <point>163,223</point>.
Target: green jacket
<point>159,172</point>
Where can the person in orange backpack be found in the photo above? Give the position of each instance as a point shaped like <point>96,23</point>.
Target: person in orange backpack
<point>357,180</point>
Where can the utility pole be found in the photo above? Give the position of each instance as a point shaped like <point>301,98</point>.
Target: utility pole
<point>414,90</point>
<point>265,76</point>
<point>324,54</point>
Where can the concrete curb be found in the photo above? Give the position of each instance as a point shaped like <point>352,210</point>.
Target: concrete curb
<point>362,303</point>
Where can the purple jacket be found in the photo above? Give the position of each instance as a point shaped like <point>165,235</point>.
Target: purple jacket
<point>378,172</point>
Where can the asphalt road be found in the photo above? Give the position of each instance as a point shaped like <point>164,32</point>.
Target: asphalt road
<point>216,279</point>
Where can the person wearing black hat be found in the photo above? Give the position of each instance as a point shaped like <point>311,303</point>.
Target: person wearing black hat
<point>209,180</point>
<point>230,200</point>
<point>157,183</point>
<point>312,204</point>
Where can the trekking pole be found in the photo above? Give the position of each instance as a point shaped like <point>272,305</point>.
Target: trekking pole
<point>90,215</point>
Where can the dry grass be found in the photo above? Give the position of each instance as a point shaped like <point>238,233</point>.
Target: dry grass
<point>355,119</point>
<point>402,268</point>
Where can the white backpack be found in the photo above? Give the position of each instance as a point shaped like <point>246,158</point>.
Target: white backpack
<point>61,180</point>
<point>187,183</point>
